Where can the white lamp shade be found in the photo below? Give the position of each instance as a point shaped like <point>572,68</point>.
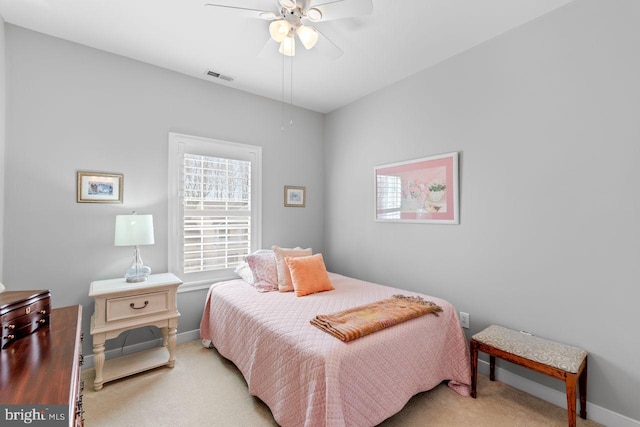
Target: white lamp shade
<point>134,230</point>
<point>288,46</point>
<point>308,36</point>
<point>279,30</point>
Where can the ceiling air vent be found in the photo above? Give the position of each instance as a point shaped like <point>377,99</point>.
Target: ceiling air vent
<point>219,76</point>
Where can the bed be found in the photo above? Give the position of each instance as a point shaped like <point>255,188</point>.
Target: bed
<point>308,377</point>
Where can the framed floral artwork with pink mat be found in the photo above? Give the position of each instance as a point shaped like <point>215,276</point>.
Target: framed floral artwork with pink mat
<point>422,190</point>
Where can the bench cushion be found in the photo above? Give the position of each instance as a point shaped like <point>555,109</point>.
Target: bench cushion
<point>561,356</point>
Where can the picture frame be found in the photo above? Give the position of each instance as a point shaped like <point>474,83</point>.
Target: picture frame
<point>423,190</point>
<point>99,187</point>
<point>295,196</point>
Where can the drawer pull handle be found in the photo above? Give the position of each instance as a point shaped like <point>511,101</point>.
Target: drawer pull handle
<point>132,305</point>
<point>9,337</point>
<point>43,312</point>
<point>10,327</point>
<point>42,321</point>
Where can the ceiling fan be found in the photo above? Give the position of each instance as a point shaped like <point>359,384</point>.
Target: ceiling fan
<point>290,18</point>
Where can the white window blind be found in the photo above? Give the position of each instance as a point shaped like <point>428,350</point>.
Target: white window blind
<point>214,207</point>
<point>217,212</point>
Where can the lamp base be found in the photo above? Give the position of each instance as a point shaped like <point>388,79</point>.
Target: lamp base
<point>137,272</point>
<point>136,279</point>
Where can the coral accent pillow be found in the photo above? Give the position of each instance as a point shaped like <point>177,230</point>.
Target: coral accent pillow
<point>284,277</point>
<point>263,266</point>
<point>309,275</point>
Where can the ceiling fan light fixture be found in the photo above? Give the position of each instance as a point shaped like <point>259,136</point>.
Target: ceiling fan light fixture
<point>314,14</point>
<point>288,46</point>
<point>308,36</point>
<point>279,30</point>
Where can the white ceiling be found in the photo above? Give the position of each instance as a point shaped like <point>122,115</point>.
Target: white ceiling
<point>397,40</point>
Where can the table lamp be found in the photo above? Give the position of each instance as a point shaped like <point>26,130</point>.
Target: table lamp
<point>135,230</point>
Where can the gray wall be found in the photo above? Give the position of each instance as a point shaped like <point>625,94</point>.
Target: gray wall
<point>71,107</point>
<point>546,120</point>
<point>2,139</point>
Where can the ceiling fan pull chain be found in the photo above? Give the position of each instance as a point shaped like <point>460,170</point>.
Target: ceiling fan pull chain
<point>282,103</point>
<point>291,96</point>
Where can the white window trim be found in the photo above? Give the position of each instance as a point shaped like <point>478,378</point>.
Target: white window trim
<point>213,147</point>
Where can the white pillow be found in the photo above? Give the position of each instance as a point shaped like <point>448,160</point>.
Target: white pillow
<point>245,273</point>
<point>284,276</point>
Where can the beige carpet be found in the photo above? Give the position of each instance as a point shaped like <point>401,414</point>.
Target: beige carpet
<point>205,389</point>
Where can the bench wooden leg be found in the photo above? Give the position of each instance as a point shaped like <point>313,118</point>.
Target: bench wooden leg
<point>582,386</point>
<point>492,368</point>
<point>571,398</point>
<point>474,368</point>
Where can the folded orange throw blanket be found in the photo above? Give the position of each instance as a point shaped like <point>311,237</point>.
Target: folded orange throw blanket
<point>347,325</point>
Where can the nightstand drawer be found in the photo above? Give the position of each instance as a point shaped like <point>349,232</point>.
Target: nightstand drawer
<point>137,305</point>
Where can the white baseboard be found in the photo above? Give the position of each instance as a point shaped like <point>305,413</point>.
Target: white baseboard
<point>594,412</point>
<point>180,338</point>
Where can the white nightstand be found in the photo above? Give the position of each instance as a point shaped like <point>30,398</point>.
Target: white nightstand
<point>122,306</point>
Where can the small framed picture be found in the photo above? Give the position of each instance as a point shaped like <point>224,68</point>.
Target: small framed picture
<point>98,187</point>
<point>294,196</point>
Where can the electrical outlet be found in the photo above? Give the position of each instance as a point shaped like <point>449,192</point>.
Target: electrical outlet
<point>464,319</point>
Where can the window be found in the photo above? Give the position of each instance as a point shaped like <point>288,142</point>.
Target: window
<point>214,207</point>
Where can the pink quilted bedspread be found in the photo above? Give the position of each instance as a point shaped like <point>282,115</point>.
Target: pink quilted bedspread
<point>309,378</point>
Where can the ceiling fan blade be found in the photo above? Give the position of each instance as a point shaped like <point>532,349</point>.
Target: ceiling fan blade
<point>339,9</point>
<point>326,47</point>
<point>247,12</point>
<point>289,4</point>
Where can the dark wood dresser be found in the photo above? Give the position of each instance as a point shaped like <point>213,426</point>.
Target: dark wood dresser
<point>43,368</point>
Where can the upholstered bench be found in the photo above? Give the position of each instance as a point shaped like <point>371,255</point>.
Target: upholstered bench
<point>561,361</point>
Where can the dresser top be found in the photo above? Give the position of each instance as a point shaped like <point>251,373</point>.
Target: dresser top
<point>111,286</point>
<point>38,368</point>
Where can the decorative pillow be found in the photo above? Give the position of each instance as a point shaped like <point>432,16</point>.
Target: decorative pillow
<point>284,277</point>
<point>244,271</point>
<point>309,275</point>
<point>263,266</point>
